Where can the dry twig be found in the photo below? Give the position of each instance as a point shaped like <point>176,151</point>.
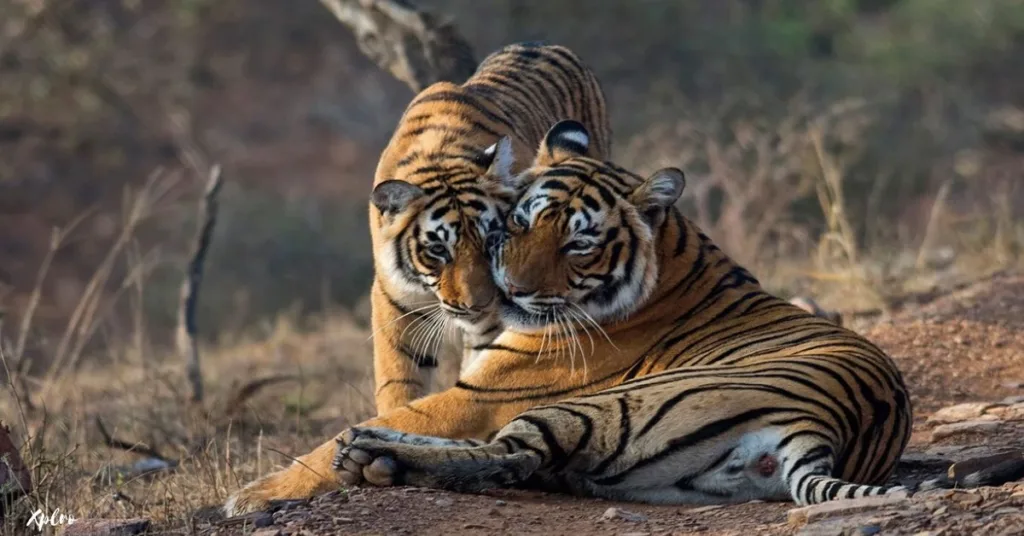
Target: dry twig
<point>188,345</point>
<point>135,448</point>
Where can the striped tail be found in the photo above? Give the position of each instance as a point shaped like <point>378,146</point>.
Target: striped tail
<point>813,489</point>
<point>809,466</point>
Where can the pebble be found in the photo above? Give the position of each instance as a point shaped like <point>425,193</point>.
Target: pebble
<point>625,515</point>
<point>960,412</point>
<point>806,514</point>
<point>444,502</point>
<point>265,520</point>
<point>968,427</point>
<point>500,502</point>
<point>704,509</point>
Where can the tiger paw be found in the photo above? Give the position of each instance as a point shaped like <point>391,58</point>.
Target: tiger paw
<point>360,457</point>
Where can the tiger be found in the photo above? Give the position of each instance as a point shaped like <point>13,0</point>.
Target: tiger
<point>435,202</point>
<point>669,301</point>
<point>440,191</point>
<point>701,387</point>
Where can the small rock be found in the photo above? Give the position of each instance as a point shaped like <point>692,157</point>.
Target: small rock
<point>343,520</point>
<point>868,530</point>
<point>806,514</point>
<point>704,509</point>
<point>265,520</point>
<point>625,515</point>
<point>1014,412</point>
<point>967,499</point>
<point>444,502</point>
<point>1011,400</point>
<point>968,427</point>
<point>107,527</point>
<point>940,510</point>
<point>1014,385</point>
<point>500,502</point>
<point>636,534</point>
<point>960,412</point>
<point>267,532</point>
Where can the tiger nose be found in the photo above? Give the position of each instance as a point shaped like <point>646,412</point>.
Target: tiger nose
<point>514,289</point>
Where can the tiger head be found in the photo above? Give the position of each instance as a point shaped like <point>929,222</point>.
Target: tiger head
<point>435,225</point>
<point>580,239</point>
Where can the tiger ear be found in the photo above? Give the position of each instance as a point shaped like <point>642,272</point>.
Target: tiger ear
<point>499,159</point>
<point>659,192</point>
<point>394,196</point>
<point>567,139</point>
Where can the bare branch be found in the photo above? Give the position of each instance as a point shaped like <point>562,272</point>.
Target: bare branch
<point>250,389</point>
<point>135,448</point>
<point>405,41</point>
<point>188,345</point>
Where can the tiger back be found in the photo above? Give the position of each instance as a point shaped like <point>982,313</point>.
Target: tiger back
<point>436,201</point>
<point>669,375</point>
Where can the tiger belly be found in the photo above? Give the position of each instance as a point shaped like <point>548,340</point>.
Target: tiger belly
<point>722,470</point>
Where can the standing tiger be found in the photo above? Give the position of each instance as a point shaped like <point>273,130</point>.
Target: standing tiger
<point>748,373</point>
<point>700,386</point>
<point>436,200</point>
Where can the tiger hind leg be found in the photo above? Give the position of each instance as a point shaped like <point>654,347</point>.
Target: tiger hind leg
<point>384,457</point>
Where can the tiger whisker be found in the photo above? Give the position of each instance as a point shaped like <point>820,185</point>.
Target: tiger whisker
<point>414,311</point>
<point>572,320</point>
<point>597,326</point>
<point>573,340</point>
<point>441,331</point>
<point>575,318</point>
<point>544,337</point>
<point>419,335</point>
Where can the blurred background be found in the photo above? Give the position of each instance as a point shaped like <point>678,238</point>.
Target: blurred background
<point>855,150</point>
<point>866,153</point>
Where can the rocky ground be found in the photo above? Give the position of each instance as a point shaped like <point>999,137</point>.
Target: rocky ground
<point>963,357</point>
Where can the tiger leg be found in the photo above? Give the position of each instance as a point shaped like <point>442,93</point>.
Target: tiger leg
<point>808,465</point>
<point>313,473</point>
<point>384,457</point>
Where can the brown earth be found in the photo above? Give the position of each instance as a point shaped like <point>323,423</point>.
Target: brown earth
<point>965,346</point>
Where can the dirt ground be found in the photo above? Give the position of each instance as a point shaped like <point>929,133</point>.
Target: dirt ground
<point>966,346</point>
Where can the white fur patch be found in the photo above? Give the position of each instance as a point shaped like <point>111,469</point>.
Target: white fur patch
<point>576,136</point>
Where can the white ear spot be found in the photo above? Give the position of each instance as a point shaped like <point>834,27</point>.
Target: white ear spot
<point>575,136</point>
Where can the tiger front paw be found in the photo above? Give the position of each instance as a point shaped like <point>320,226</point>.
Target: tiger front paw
<point>361,457</point>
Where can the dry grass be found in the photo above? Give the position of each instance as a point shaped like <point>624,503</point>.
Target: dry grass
<point>146,401</point>
<point>276,392</point>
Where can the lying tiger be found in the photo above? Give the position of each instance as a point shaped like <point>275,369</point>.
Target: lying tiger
<point>755,397</point>
<point>699,386</point>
